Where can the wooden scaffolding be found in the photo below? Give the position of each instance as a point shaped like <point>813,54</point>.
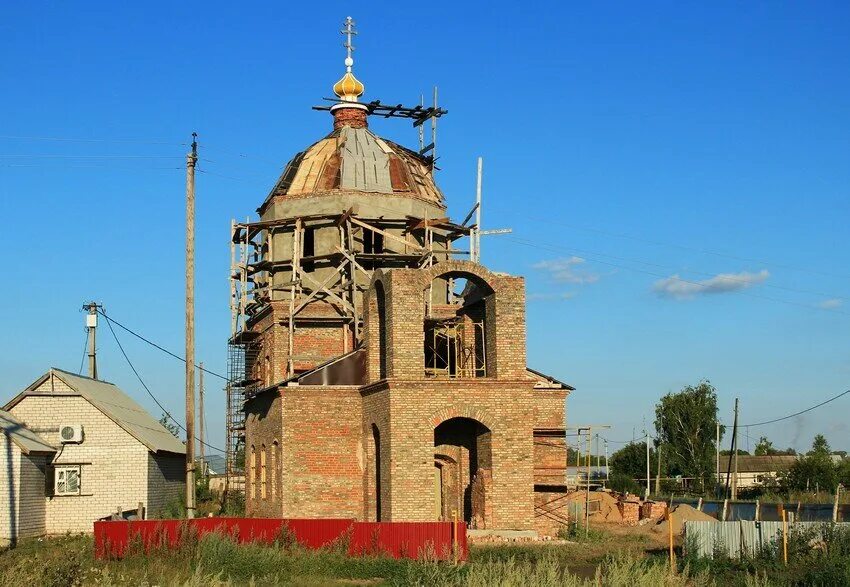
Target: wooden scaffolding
<point>361,244</point>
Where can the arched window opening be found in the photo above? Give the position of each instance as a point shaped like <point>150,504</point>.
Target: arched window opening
<point>455,327</point>
<point>274,466</point>
<point>373,244</point>
<point>263,472</point>
<point>376,439</point>
<point>309,249</point>
<point>252,474</point>
<point>382,329</point>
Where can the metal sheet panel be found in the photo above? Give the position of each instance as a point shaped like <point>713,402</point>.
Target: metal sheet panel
<point>738,537</point>
<point>395,539</point>
<point>365,166</point>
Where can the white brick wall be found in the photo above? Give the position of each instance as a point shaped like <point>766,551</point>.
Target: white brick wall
<point>10,459</point>
<point>114,465</point>
<point>21,493</point>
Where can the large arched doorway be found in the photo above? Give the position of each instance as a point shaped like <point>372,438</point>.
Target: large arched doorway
<point>463,471</point>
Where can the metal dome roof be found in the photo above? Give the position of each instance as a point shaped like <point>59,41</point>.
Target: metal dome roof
<point>356,160</point>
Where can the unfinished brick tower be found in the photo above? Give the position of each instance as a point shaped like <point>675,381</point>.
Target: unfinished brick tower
<point>373,375</point>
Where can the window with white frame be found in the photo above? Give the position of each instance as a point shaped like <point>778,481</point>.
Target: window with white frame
<point>67,480</point>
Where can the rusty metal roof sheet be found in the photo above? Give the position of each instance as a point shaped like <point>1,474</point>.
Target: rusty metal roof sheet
<point>355,159</point>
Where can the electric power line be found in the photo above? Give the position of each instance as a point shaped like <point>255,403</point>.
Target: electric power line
<point>795,414</point>
<point>147,389</point>
<point>47,156</point>
<point>153,344</point>
<point>78,140</point>
<point>85,349</point>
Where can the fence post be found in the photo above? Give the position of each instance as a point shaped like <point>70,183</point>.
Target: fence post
<point>835,504</point>
<point>454,538</point>
<point>699,505</point>
<point>784,538</point>
<point>670,538</point>
<point>723,515</point>
<point>758,510</point>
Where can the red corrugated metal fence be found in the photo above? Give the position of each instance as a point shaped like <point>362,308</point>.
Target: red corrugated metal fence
<point>436,540</point>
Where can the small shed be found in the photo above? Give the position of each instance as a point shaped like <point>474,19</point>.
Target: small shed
<point>23,459</point>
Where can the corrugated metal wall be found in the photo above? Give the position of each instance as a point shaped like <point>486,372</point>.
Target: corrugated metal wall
<point>395,539</point>
<point>737,538</point>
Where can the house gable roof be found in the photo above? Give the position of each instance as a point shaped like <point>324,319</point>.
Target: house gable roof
<point>547,381</point>
<point>114,403</point>
<point>758,464</point>
<point>28,441</point>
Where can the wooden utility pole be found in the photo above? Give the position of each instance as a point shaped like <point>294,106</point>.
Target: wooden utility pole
<point>646,435</point>
<point>735,455</point>
<point>201,418</point>
<point>717,457</point>
<point>732,457</point>
<point>658,461</point>
<point>191,160</point>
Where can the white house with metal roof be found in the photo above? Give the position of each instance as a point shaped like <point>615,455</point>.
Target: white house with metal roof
<point>76,449</point>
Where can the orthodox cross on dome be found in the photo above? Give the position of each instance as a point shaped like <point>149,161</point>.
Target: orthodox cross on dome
<point>349,88</point>
<point>349,32</point>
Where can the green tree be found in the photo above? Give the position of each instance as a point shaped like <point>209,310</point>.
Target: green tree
<point>843,473</point>
<point>815,470</point>
<point>764,447</point>
<point>685,425</point>
<point>820,446</point>
<point>630,461</point>
<point>169,425</point>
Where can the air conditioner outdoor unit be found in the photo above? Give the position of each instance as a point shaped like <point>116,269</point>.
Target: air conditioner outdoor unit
<point>71,433</point>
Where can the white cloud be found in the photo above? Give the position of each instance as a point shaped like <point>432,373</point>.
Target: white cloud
<point>549,297</point>
<point>565,270</point>
<point>681,289</point>
<point>831,304</point>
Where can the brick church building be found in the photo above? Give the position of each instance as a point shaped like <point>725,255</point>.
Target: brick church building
<point>382,377</point>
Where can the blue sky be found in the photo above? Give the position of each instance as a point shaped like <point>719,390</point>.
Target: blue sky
<point>625,144</point>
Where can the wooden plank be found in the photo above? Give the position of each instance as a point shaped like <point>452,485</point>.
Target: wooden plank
<point>385,233</point>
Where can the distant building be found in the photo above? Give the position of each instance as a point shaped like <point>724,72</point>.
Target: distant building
<point>755,470</point>
<point>75,449</point>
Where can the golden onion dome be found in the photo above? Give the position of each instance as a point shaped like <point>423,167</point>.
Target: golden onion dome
<point>349,88</point>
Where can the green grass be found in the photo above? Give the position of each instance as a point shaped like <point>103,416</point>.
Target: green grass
<point>610,560</point>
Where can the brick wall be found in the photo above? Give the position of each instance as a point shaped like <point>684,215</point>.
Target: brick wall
<point>550,408</point>
<point>405,313</point>
<point>331,464</point>
<point>418,407</point>
<point>323,452</point>
<point>376,418</point>
<point>166,481</point>
<point>114,465</point>
<point>263,427</point>
<point>22,506</point>
<point>550,459</point>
